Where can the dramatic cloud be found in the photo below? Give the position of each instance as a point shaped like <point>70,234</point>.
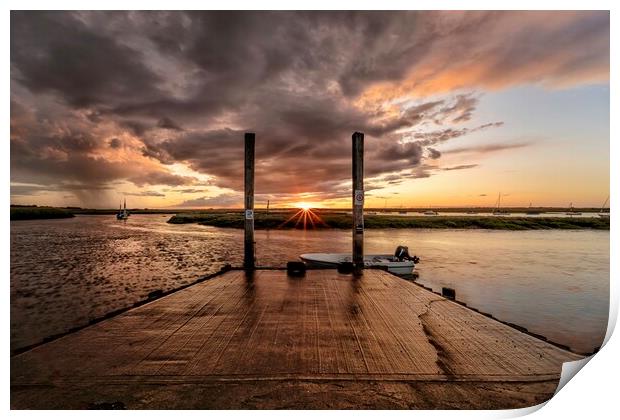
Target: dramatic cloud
<point>433,153</point>
<point>145,194</point>
<point>459,167</point>
<point>99,98</point>
<point>437,137</point>
<point>222,200</point>
<point>488,148</point>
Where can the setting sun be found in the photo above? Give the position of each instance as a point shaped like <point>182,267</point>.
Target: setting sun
<point>304,206</point>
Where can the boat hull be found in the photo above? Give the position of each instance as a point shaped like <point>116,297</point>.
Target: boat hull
<point>370,261</point>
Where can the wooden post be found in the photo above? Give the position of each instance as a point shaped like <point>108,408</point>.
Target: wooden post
<point>248,255</point>
<point>358,201</point>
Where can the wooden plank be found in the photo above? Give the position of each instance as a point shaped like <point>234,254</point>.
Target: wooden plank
<point>276,336</point>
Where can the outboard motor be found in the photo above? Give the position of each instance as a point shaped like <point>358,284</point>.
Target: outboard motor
<point>402,254</point>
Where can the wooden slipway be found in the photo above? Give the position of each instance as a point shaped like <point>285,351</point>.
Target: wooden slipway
<point>326,340</point>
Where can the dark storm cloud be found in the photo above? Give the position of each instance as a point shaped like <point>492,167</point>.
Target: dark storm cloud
<point>167,123</point>
<point>488,50</point>
<point>185,86</point>
<point>57,52</point>
<point>31,189</point>
<point>63,154</point>
<point>23,190</point>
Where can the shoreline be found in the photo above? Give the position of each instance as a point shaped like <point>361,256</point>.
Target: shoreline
<point>336,219</point>
<point>327,220</point>
<point>38,213</point>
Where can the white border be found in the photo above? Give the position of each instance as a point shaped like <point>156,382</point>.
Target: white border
<point>592,394</point>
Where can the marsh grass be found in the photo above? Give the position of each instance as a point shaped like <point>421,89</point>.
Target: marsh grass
<point>31,213</point>
<point>334,220</point>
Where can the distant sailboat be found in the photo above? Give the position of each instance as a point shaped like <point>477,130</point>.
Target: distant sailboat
<point>530,211</point>
<point>431,212</point>
<point>572,212</point>
<point>604,214</point>
<point>497,211</point>
<point>122,214</point>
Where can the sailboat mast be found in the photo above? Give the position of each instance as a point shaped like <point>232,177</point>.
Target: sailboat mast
<point>605,203</point>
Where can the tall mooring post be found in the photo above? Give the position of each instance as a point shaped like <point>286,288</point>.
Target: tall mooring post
<point>248,254</point>
<point>358,201</point>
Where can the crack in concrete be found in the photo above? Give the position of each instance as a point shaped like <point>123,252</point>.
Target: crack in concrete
<point>443,358</point>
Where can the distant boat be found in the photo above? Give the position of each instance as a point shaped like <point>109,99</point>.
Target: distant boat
<point>398,263</point>
<point>122,214</point>
<point>431,213</point>
<point>472,211</point>
<point>604,214</point>
<point>498,211</point>
<point>572,212</point>
<point>530,211</point>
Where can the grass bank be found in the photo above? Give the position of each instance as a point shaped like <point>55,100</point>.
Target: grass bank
<point>32,213</point>
<point>332,220</point>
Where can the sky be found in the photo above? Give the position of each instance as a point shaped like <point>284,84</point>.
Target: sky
<point>456,107</point>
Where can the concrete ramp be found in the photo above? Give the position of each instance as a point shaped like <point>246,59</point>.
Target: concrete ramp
<point>326,340</point>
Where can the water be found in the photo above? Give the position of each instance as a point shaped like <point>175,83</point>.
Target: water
<point>65,272</point>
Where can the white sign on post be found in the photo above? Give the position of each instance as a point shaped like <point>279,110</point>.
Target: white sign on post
<point>249,214</point>
<point>359,197</point>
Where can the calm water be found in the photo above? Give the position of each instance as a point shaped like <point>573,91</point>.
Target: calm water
<point>65,272</point>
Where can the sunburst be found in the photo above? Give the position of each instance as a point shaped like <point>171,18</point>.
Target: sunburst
<point>305,217</point>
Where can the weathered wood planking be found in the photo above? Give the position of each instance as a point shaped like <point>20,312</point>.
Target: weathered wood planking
<point>324,340</point>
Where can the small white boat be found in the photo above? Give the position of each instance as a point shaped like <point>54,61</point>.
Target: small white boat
<point>403,265</point>
<point>431,213</point>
